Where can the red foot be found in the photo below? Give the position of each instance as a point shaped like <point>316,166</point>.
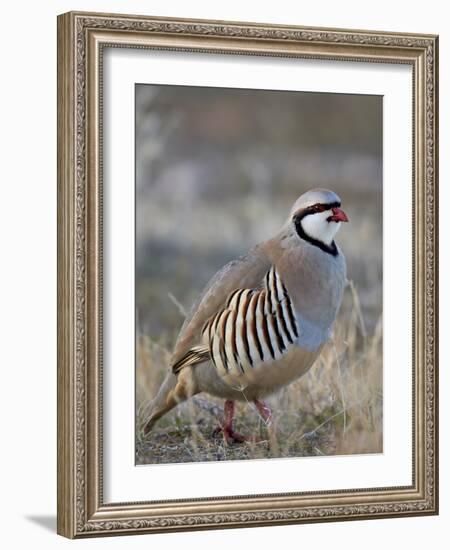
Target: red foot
<point>230,436</point>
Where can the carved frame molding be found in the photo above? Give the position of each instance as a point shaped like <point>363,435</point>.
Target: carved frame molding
<point>81,39</point>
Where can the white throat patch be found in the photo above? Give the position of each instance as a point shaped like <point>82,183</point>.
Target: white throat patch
<point>317,227</point>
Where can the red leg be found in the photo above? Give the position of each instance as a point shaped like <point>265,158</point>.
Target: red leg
<point>229,434</point>
<point>264,412</point>
<point>226,427</point>
<point>229,415</point>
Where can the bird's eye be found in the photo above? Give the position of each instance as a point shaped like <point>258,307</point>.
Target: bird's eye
<point>318,208</point>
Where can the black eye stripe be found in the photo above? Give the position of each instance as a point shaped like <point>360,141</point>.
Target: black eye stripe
<point>322,207</point>
<point>313,209</point>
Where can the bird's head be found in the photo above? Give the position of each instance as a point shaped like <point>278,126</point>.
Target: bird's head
<point>317,216</point>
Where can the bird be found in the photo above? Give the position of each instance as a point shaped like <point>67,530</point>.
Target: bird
<point>263,319</point>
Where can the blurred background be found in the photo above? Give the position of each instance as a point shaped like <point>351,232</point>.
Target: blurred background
<point>217,171</point>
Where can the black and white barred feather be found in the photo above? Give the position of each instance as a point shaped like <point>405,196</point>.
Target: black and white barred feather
<point>256,327</point>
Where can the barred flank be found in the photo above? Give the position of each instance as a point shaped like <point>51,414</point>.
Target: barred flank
<point>244,329</point>
<point>255,327</point>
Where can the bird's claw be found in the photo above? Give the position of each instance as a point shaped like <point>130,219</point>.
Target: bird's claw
<point>231,437</point>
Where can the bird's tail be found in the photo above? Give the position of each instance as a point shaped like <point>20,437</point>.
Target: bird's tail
<point>163,402</point>
<point>174,390</point>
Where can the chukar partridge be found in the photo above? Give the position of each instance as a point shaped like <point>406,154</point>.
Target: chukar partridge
<point>264,318</point>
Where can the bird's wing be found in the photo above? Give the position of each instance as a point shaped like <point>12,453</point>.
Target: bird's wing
<point>255,327</point>
<point>245,272</point>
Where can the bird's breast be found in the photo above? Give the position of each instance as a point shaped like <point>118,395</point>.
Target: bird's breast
<point>315,283</point>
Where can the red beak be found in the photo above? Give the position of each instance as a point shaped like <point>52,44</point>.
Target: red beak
<point>338,215</point>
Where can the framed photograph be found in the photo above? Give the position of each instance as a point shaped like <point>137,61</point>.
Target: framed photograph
<point>247,288</point>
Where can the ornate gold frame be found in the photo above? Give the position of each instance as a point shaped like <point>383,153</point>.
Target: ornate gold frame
<point>81,38</point>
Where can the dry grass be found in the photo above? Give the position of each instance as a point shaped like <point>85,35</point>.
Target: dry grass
<point>336,408</point>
